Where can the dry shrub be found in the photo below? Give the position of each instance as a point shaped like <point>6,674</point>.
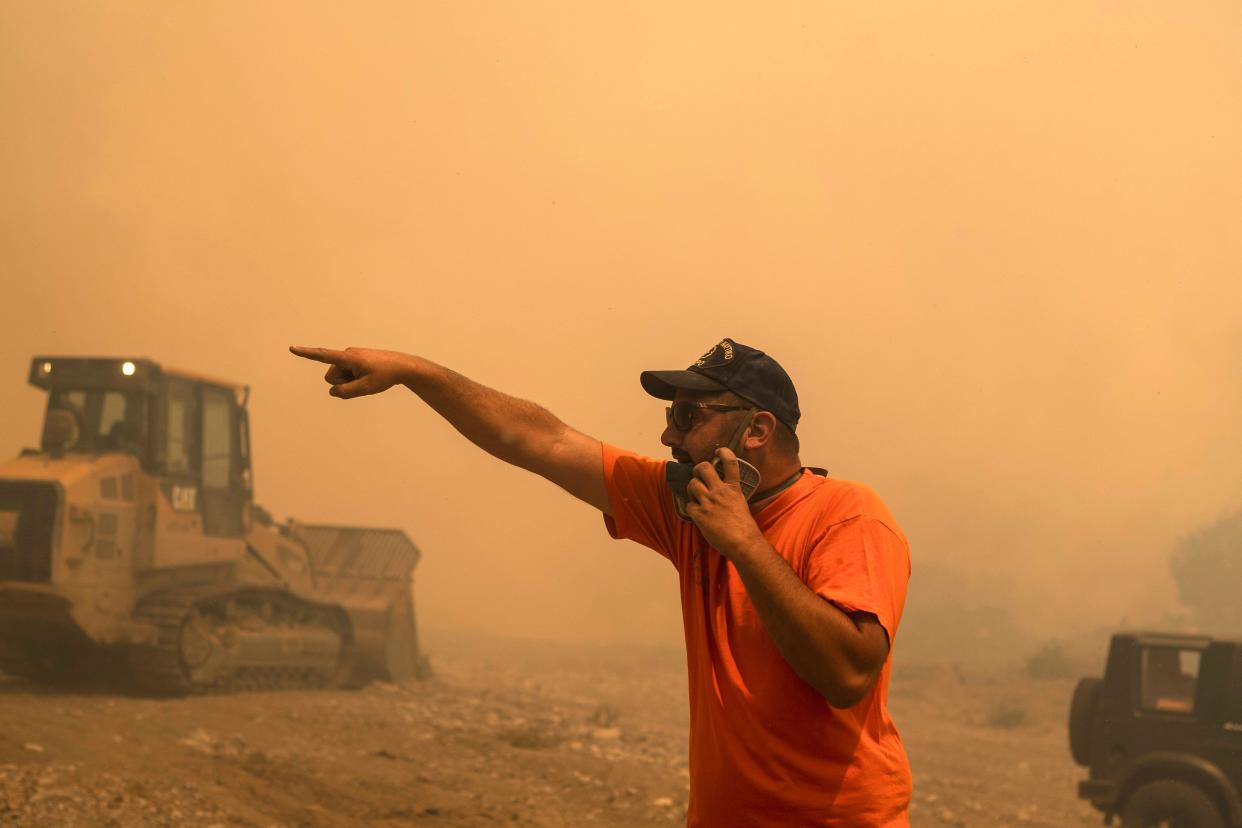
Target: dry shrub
<point>535,736</point>
<point>1006,715</point>
<point>1050,662</point>
<point>604,715</point>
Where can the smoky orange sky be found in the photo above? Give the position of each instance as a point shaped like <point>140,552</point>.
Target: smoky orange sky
<point>997,246</point>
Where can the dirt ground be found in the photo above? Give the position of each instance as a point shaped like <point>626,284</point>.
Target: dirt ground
<point>510,733</point>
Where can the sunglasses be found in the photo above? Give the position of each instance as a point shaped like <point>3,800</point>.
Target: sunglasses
<point>682,415</point>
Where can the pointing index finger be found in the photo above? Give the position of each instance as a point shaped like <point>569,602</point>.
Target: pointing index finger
<point>326,355</point>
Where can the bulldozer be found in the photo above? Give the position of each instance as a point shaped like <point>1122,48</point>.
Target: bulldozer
<point>131,534</point>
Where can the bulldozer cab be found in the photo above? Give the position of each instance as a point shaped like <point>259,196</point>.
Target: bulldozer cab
<point>189,431</point>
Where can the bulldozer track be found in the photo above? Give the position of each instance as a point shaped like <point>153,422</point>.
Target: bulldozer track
<point>160,669</point>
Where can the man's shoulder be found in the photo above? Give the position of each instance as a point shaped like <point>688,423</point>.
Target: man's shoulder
<point>629,461</point>
<point>633,480</point>
<point>848,497</point>
<point>837,501</point>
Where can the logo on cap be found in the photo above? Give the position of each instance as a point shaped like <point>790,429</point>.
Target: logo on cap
<point>725,347</point>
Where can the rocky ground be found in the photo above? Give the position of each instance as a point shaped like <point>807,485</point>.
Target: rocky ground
<point>505,733</point>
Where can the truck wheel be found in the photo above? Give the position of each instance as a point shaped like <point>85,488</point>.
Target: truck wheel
<point>1168,803</point>
<point>1082,711</point>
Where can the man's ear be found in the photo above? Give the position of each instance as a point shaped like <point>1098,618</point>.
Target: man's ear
<point>762,430</point>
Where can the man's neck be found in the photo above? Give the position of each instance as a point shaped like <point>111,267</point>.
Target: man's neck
<point>774,479</point>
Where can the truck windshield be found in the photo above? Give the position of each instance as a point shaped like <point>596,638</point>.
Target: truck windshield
<point>106,420</point>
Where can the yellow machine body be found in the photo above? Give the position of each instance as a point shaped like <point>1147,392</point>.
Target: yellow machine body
<point>132,529</point>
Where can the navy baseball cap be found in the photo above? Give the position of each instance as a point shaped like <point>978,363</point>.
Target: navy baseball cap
<point>731,366</point>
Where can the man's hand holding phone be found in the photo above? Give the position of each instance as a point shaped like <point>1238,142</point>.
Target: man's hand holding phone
<point>718,506</point>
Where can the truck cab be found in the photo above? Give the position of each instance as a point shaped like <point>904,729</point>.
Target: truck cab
<point>1161,732</point>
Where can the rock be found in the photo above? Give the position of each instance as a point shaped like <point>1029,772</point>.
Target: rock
<point>201,741</point>
<point>52,793</point>
<point>33,748</point>
<point>606,734</point>
<point>662,802</point>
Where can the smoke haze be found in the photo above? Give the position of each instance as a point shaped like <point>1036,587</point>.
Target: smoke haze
<point>997,246</point>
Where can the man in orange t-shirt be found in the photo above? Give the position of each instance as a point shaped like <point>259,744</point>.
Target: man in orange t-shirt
<point>792,583</point>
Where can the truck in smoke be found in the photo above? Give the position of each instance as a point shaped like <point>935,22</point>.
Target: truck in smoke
<point>131,534</point>
<point>1161,732</point>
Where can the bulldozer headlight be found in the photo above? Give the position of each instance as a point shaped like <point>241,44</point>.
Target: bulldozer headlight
<point>46,368</point>
<point>127,369</point>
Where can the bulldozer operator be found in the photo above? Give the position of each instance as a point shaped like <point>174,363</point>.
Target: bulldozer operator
<point>792,582</point>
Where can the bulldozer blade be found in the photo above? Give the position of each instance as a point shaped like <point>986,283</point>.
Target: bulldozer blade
<point>369,573</point>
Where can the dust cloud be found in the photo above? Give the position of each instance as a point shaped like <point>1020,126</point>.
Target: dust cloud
<point>996,246</point>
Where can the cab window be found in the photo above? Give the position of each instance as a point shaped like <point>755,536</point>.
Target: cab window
<point>1168,679</point>
<point>180,427</point>
<point>217,439</point>
<point>105,420</point>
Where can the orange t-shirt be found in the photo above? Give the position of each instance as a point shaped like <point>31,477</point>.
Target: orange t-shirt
<point>765,748</point>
